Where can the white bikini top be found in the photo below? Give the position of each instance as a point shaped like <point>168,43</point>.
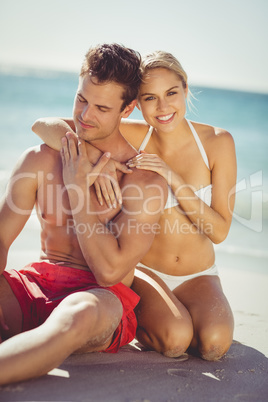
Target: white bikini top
<point>205,193</point>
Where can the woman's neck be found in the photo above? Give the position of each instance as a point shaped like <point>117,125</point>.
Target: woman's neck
<point>167,143</point>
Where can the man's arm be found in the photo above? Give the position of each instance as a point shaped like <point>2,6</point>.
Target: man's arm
<point>113,250</point>
<point>15,209</point>
<point>17,204</point>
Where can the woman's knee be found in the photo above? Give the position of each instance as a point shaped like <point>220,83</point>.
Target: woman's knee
<point>172,340</point>
<point>214,342</point>
<point>177,339</point>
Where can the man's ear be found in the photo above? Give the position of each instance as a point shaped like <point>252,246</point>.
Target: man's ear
<point>129,108</point>
<point>138,105</point>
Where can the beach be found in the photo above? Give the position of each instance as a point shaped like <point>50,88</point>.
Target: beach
<point>137,375</point>
<point>134,374</point>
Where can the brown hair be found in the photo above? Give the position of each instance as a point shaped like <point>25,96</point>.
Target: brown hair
<point>115,63</point>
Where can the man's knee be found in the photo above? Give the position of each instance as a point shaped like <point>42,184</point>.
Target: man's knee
<point>73,313</point>
<point>90,318</point>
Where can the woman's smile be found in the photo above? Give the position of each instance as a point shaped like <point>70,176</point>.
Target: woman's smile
<point>165,119</point>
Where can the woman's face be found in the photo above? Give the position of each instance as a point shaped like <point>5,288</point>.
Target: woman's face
<point>162,99</point>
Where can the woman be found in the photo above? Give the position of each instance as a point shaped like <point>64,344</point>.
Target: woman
<point>199,164</point>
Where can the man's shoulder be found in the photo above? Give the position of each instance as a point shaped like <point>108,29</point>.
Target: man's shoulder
<point>143,185</point>
<point>40,151</point>
<point>39,156</point>
<point>144,178</point>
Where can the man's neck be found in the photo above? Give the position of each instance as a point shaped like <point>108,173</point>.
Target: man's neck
<point>119,148</point>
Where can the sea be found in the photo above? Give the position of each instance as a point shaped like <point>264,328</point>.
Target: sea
<point>27,94</point>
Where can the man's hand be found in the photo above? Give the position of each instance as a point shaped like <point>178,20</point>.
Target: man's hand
<point>77,169</point>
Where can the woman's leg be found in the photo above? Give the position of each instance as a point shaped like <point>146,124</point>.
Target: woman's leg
<point>164,324</point>
<point>211,315</point>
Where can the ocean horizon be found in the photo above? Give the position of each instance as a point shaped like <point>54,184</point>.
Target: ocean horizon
<point>29,94</point>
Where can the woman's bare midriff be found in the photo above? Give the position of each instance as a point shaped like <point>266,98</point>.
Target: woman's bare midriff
<point>178,247</point>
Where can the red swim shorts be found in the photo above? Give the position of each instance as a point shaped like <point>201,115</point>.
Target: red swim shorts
<point>41,286</point>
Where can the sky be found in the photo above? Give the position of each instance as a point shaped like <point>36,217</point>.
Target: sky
<point>219,43</point>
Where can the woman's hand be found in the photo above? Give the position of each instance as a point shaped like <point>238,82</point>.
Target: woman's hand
<point>107,186</point>
<point>151,162</point>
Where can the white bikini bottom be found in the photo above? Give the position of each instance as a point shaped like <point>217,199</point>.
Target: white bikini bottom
<point>173,281</point>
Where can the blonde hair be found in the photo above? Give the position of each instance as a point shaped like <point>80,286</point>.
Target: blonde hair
<point>161,59</point>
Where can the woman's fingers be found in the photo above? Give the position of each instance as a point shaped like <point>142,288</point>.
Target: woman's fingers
<point>150,162</point>
<point>122,167</point>
<point>117,191</point>
<point>104,159</point>
<point>98,192</point>
<point>108,194</point>
<point>143,158</point>
<point>140,164</point>
<point>107,184</point>
<point>93,172</point>
<point>110,190</point>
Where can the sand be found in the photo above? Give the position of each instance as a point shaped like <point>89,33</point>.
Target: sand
<point>136,375</point>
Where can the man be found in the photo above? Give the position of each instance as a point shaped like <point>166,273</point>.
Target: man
<point>77,298</point>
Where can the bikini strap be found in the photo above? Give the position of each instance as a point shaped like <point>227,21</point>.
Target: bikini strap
<point>146,139</point>
<point>199,144</point>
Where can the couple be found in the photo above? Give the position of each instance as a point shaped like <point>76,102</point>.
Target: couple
<point>74,308</point>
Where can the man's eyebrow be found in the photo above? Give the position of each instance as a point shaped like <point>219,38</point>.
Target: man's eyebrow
<point>79,94</point>
<point>170,89</point>
<point>104,107</point>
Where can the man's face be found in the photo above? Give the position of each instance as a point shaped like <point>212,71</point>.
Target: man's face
<point>97,109</point>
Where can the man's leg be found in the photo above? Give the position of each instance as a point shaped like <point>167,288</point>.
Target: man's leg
<point>83,320</point>
<point>11,310</point>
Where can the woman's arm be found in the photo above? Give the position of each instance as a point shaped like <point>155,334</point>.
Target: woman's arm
<point>52,129</point>
<point>213,221</point>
